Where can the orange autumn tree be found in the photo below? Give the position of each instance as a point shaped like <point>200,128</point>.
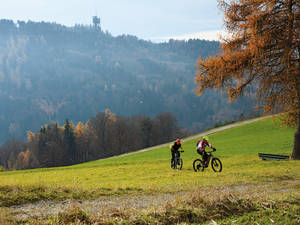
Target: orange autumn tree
<point>261,51</point>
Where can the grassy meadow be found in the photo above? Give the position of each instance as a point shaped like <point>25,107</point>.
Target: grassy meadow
<point>150,173</point>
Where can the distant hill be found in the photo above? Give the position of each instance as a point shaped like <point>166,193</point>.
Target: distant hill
<point>50,72</point>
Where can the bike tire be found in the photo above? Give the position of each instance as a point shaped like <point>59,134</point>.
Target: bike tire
<point>197,165</point>
<point>216,165</point>
<point>178,164</point>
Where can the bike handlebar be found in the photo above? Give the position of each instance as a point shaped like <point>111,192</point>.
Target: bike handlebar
<point>212,150</point>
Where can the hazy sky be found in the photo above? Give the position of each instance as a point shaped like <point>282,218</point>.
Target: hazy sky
<point>147,19</point>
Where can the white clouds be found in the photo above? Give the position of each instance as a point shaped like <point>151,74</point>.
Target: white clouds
<point>207,35</point>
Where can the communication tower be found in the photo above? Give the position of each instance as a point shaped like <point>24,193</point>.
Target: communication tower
<point>96,22</point>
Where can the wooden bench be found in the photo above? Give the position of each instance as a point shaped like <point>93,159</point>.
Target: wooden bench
<point>265,156</point>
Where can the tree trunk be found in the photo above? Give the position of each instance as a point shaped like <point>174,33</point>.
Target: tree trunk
<point>296,150</point>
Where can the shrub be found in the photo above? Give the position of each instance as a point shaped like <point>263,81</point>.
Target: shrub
<point>74,215</point>
<point>2,169</point>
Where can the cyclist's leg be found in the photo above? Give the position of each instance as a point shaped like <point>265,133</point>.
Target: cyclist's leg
<point>205,158</point>
<point>178,157</point>
<point>173,157</point>
<point>201,153</point>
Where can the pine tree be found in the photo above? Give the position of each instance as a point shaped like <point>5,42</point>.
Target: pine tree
<point>69,142</point>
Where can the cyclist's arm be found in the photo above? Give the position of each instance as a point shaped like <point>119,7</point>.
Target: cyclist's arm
<point>171,146</point>
<point>212,147</point>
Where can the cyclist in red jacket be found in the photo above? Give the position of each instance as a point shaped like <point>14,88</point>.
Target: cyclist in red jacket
<point>175,150</point>
<point>201,145</point>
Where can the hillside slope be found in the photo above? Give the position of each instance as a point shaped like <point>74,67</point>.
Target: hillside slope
<point>124,187</point>
<point>49,72</point>
<point>150,170</point>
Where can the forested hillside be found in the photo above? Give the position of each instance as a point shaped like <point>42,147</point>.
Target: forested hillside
<point>50,72</point>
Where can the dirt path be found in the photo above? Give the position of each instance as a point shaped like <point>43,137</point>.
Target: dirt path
<point>112,205</point>
<point>44,209</point>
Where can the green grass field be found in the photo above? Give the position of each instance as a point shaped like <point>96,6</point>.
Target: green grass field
<point>150,172</point>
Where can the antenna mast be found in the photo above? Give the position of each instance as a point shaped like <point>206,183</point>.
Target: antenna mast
<point>96,19</point>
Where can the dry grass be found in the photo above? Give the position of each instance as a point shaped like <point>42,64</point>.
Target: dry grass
<point>73,214</point>
<point>197,207</point>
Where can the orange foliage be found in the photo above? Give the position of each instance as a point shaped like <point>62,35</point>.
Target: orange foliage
<point>110,116</point>
<point>26,158</point>
<point>30,136</point>
<point>79,129</point>
<point>262,50</point>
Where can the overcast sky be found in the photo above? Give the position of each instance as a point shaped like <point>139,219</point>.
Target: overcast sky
<point>147,19</point>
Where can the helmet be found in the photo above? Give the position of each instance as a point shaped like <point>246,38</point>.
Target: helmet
<point>178,141</point>
<point>205,138</point>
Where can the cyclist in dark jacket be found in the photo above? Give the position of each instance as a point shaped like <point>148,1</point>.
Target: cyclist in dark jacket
<point>201,145</point>
<point>175,150</point>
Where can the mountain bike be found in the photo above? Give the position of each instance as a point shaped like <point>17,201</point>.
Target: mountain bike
<point>216,163</point>
<point>177,163</point>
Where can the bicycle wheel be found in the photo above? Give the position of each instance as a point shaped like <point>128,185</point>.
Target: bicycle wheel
<point>178,164</point>
<point>216,165</point>
<point>197,165</point>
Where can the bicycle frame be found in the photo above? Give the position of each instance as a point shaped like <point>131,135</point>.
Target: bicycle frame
<point>209,156</point>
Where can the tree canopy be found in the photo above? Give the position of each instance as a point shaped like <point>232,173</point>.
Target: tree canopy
<point>262,52</point>
<point>102,136</point>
